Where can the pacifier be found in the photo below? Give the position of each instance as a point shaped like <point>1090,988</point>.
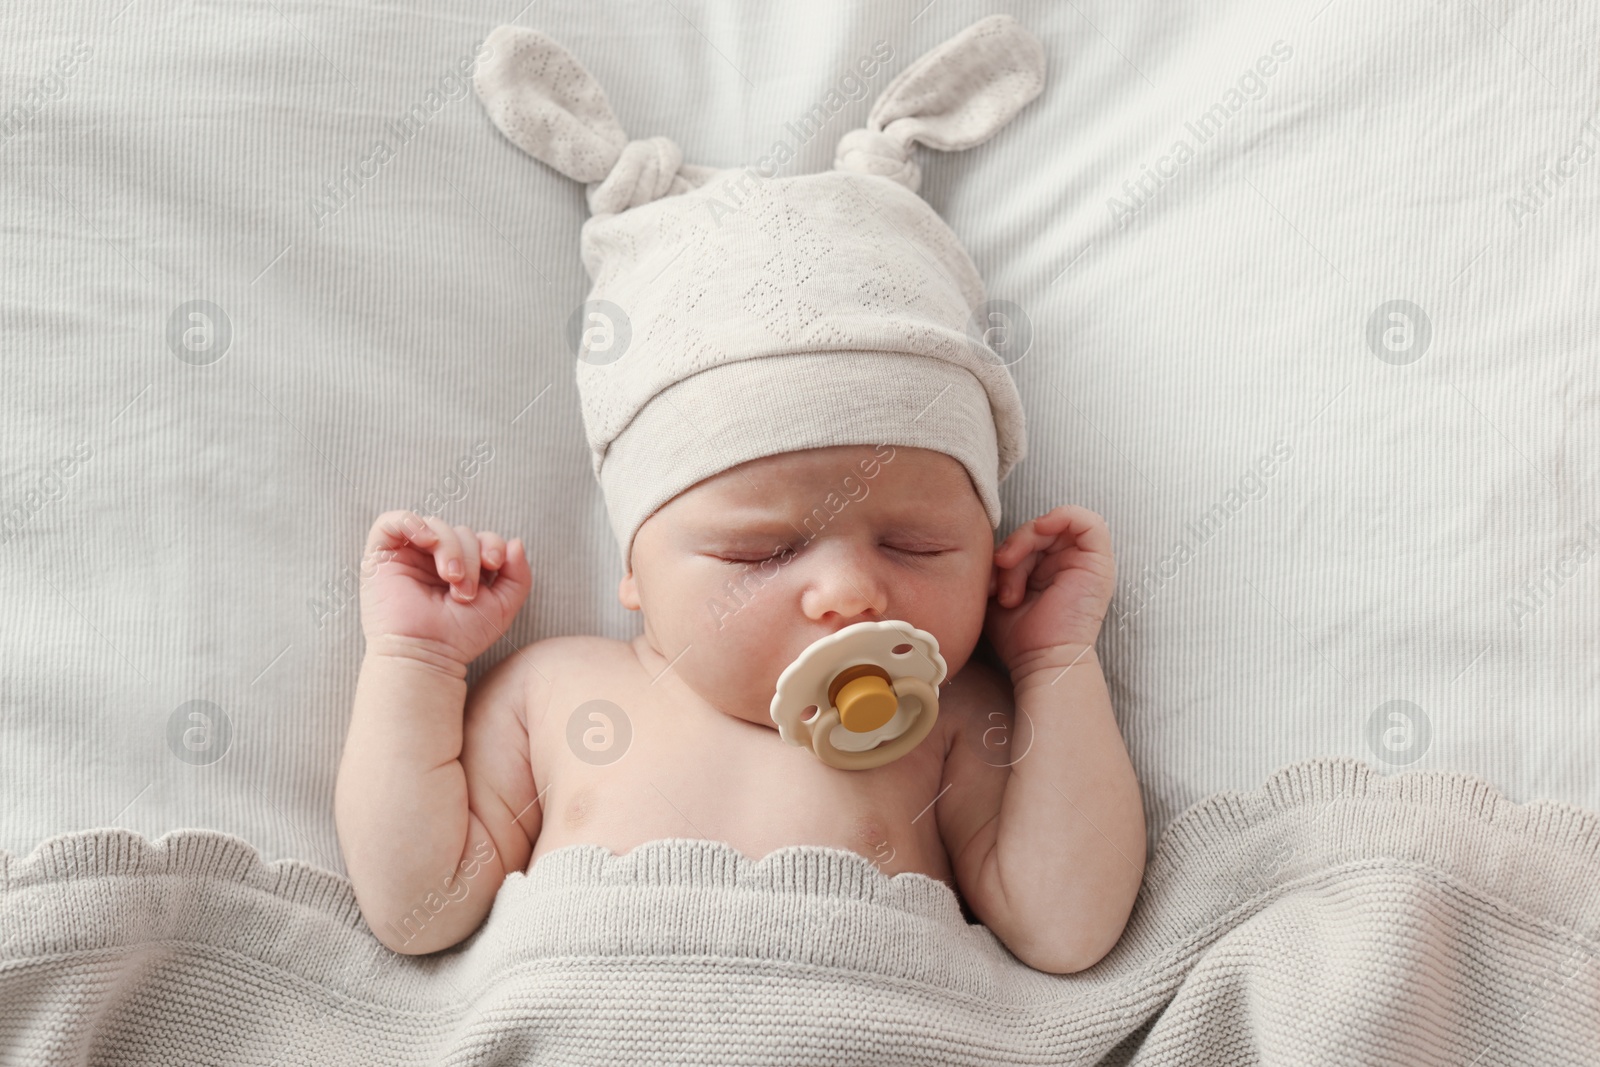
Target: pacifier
<point>874,688</point>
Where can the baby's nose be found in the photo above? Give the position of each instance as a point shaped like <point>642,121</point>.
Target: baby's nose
<point>845,607</point>
<point>846,586</point>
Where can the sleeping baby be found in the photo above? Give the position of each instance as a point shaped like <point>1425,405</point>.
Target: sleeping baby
<point>796,430</point>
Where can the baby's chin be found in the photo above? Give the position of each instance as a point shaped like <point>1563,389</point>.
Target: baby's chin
<point>751,706</point>
<point>761,718</point>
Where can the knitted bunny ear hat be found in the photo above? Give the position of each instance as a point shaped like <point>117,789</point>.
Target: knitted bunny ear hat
<point>748,315</point>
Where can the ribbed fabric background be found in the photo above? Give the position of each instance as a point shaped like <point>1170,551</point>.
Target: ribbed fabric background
<point>1177,338</point>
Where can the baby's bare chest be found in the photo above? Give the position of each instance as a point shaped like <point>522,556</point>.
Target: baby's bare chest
<point>623,765</point>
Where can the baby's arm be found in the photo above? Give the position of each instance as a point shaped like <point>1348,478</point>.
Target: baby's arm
<point>1048,850</point>
<point>434,804</point>
<point>1047,833</point>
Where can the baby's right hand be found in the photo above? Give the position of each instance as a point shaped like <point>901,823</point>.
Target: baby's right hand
<point>421,592</point>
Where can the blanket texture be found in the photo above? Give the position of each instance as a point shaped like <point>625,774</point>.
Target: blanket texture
<point>1415,919</point>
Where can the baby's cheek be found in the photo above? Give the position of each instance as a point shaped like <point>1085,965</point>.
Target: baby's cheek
<point>739,644</point>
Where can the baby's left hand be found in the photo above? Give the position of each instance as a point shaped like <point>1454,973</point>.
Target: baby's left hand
<point>1051,586</point>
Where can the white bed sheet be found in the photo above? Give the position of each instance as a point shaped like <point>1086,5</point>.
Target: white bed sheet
<point>199,536</point>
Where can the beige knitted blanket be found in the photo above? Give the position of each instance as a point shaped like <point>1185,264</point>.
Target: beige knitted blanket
<point>1335,916</point>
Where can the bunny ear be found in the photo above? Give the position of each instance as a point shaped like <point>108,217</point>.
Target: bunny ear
<point>543,100</point>
<point>954,97</point>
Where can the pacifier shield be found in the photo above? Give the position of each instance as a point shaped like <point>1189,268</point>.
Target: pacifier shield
<point>874,683</point>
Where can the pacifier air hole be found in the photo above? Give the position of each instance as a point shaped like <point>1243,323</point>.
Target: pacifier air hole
<point>901,650</point>
<point>809,713</point>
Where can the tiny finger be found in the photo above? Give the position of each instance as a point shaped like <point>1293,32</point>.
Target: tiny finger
<point>1018,579</point>
<point>515,579</point>
<point>1019,544</point>
<point>491,550</point>
<point>396,529</point>
<point>467,588</point>
<point>447,554</point>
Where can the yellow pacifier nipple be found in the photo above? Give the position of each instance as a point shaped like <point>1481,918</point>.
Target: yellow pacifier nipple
<point>864,698</point>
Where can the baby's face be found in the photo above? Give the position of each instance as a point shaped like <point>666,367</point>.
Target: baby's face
<point>738,574</point>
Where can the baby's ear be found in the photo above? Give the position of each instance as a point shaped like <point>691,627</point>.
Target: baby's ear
<point>547,104</point>
<point>628,592</point>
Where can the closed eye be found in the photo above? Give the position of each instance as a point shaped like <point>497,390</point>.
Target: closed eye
<point>746,561</point>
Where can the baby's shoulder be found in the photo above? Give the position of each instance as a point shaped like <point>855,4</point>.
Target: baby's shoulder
<point>552,661</point>
<point>551,670</point>
<point>574,654</point>
<point>578,647</point>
